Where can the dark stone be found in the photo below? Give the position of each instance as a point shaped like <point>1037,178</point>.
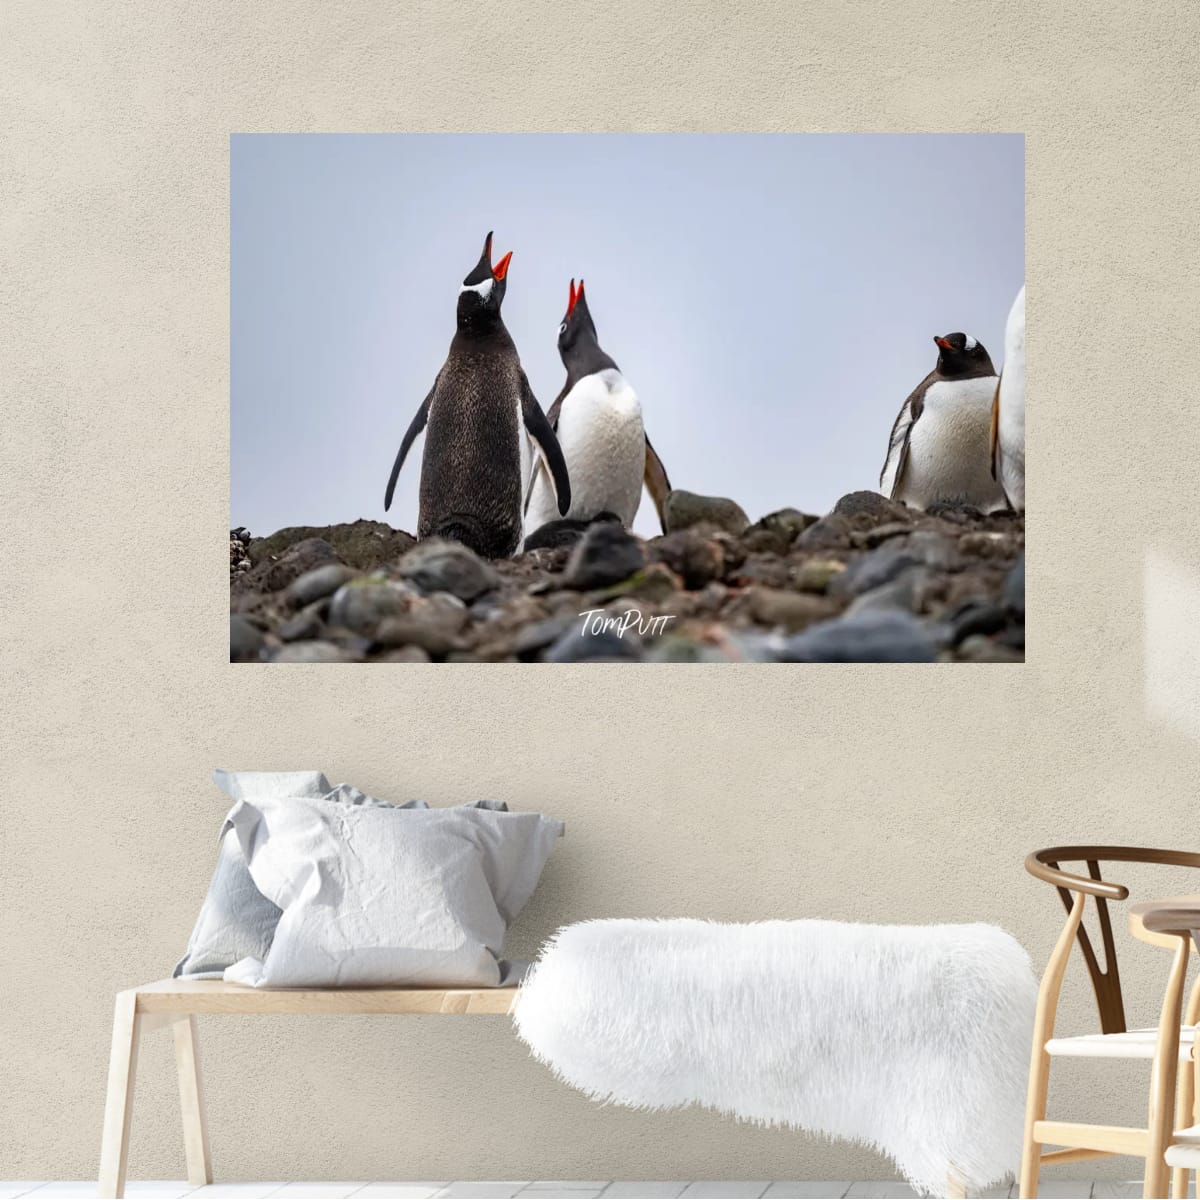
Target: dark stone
<point>655,583</point>
<point>873,636</point>
<point>871,505</point>
<point>606,554</point>
<point>978,648</point>
<point>245,640</point>
<point>362,544</point>
<point>579,645</point>
<point>534,638</point>
<point>878,534</point>
<point>554,534</point>
<point>361,606</point>
<point>697,560</point>
<point>905,592</point>
<point>1014,590</point>
<point>316,585</point>
<point>438,566</point>
<point>959,514</point>
<point>685,509</point>
<point>975,619</point>
<point>934,549</point>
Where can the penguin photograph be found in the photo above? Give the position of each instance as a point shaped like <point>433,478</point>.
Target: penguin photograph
<point>782,421</point>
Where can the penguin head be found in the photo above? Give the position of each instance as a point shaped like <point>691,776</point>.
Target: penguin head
<point>960,354</point>
<point>578,320</point>
<point>482,291</point>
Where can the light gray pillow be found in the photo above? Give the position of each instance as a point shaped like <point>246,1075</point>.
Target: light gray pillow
<point>236,920</point>
<point>376,897</point>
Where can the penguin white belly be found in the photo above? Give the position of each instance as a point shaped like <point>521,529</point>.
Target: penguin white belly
<point>603,440</point>
<point>949,448</point>
<point>1011,456</point>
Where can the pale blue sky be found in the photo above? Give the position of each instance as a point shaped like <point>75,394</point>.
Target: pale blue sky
<point>772,298</point>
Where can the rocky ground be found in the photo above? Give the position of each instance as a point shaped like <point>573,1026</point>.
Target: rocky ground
<point>871,581</point>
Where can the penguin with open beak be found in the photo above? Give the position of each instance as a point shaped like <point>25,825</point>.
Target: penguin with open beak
<point>938,452</point>
<point>597,418</point>
<point>476,416</point>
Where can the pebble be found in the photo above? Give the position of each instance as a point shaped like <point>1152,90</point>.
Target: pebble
<point>439,566</point>
<point>1014,589</point>
<point>792,611</point>
<point>245,640</point>
<point>605,555</point>
<point>578,645</point>
<point>816,574</point>
<point>316,585</point>
<point>873,570</point>
<point>978,648</point>
<point>362,605</point>
<point>873,636</point>
<point>696,559</point>
<point>778,530</point>
<point>685,509</point>
<point>872,505</point>
<point>311,652</point>
<point>302,626</point>
<point>829,533</point>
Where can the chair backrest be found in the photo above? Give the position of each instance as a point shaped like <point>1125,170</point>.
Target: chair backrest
<point>1106,980</point>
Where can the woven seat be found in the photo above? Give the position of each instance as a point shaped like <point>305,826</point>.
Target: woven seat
<point>1134,1043</point>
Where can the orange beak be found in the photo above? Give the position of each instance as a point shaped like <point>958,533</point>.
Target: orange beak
<point>501,268</point>
<point>574,297</point>
<point>943,343</point>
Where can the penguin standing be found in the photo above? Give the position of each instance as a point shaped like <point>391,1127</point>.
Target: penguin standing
<point>938,451</point>
<point>1008,410</point>
<point>476,454</point>
<point>597,418</point>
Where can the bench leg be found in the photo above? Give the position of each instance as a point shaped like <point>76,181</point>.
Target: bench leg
<point>118,1105</point>
<point>191,1102</point>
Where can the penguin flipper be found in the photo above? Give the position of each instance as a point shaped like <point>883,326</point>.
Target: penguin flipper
<point>902,428</point>
<point>418,423</point>
<point>657,483</point>
<point>539,429</point>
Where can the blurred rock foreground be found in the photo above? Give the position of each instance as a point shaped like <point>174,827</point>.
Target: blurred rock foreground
<point>871,581</point>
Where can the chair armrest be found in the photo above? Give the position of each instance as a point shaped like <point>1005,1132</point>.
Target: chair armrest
<point>1038,865</point>
<point>1171,917</point>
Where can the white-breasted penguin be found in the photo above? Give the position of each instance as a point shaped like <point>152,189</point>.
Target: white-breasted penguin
<point>597,418</point>
<point>475,462</point>
<point>1008,411</point>
<point>938,450</point>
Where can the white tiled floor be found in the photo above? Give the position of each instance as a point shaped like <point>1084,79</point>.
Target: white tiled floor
<point>546,1189</point>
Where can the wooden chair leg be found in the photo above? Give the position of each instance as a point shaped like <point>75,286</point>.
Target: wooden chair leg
<point>191,1101</point>
<point>1184,1102</point>
<point>1163,1078</point>
<point>118,1104</point>
<point>1043,1031</point>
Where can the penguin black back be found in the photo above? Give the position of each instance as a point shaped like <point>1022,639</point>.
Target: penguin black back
<point>472,468</point>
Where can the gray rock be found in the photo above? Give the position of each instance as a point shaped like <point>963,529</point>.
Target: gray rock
<point>440,566</point>
<point>905,592</point>
<point>978,648</point>
<point>975,620</point>
<point>871,505</point>
<point>303,626</point>
<point>312,652</point>
<point>363,605</point>
<point>535,637</point>
<point>1014,589</point>
<point>434,625</point>
<point>934,549</point>
<point>685,509</point>
<point>578,645</point>
<point>316,585</point>
<point>605,555</point>
<point>405,654</point>
<point>874,636</point>
<point>245,640</point>
<point>873,570</point>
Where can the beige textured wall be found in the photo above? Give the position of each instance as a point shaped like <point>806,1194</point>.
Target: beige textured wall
<point>908,794</point>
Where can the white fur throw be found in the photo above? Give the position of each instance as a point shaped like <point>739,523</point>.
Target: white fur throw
<point>913,1040</point>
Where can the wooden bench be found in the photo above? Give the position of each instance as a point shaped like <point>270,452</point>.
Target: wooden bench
<point>177,1002</point>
